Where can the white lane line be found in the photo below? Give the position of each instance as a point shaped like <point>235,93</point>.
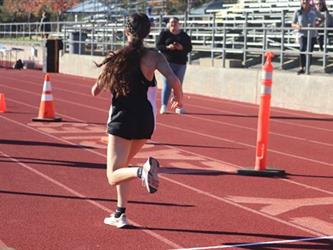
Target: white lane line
<point>306,114</point>
<point>211,120</point>
<point>255,129</point>
<point>82,105</point>
<point>260,243</point>
<point>186,186</point>
<point>235,166</point>
<point>173,147</point>
<point>160,124</point>
<point>183,150</point>
<point>230,202</point>
<point>246,144</point>
<point>199,118</point>
<point>213,109</point>
<point>2,245</point>
<point>94,203</point>
<point>194,132</point>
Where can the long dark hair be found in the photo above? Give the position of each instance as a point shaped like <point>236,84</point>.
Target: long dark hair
<point>323,6</point>
<point>117,74</point>
<point>301,10</point>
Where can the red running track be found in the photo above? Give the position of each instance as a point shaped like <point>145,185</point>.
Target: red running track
<point>54,192</point>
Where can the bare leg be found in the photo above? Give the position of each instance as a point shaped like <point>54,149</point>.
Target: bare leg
<point>122,189</point>
<point>120,152</point>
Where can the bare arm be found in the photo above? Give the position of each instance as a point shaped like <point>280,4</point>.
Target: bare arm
<point>100,83</point>
<point>294,22</point>
<point>163,67</point>
<point>96,89</point>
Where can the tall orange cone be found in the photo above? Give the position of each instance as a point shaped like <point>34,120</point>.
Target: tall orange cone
<point>46,108</point>
<point>2,103</point>
<point>263,125</point>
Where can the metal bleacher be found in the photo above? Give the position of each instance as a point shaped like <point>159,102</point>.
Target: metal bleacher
<point>242,30</point>
<point>249,27</point>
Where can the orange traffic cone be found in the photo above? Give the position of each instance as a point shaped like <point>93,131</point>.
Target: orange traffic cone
<point>46,109</point>
<point>263,125</point>
<point>2,103</point>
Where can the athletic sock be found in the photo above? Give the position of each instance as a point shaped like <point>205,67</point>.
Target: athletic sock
<point>139,173</point>
<point>119,211</point>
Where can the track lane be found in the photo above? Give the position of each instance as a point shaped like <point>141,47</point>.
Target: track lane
<point>298,118</point>
<point>325,151</point>
<point>246,189</point>
<point>213,180</point>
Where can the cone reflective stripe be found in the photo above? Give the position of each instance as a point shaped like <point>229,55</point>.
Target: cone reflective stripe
<point>47,91</point>
<point>266,74</point>
<point>46,109</point>
<point>266,90</point>
<point>263,124</point>
<point>2,103</point>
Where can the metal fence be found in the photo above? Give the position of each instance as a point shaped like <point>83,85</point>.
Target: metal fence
<point>217,40</point>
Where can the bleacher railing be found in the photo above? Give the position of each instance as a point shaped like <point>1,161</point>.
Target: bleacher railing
<point>219,40</point>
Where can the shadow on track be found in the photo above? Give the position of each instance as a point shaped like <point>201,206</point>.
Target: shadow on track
<point>38,143</point>
<point>190,145</point>
<point>190,171</point>
<point>52,162</point>
<point>256,116</point>
<point>319,244</point>
<point>95,165</point>
<point>55,196</point>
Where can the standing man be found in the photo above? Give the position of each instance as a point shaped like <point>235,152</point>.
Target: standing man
<point>175,44</point>
<point>45,26</point>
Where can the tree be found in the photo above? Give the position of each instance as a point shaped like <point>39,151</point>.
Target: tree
<point>36,7</point>
<point>32,7</point>
<point>12,6</point>
<point>22,8</point>
<point>60,6</point>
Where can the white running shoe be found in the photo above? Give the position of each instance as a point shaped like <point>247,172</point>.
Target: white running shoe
<point>117,222</point>
<point>163,109</point>
<point>149,175</point>
<point>180,111</point>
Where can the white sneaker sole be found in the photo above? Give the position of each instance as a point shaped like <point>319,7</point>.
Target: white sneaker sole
<point>152,169</point>
<point>118,224</point>
<point>180,111</point>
